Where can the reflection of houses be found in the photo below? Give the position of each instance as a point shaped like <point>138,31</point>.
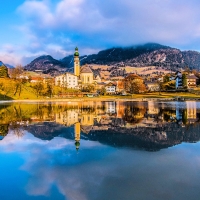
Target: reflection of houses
<point>191,111</point>
<point>110,107</point>
<point>120,109</point>
<point>134,113</point>
<point>87,119</point>
<point>153,107</point>
<point>67,118</point>
<point>188,114</point>
<point>96,116</point>
<point>179,112</point>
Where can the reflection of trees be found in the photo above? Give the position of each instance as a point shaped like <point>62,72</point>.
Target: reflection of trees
<point>169,115</point>
<point>3,129</point>
<point>184,117</point>
<point>17,129</point>
<point>133,114</point>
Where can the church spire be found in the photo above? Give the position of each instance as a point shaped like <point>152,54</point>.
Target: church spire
<point>76,62</point>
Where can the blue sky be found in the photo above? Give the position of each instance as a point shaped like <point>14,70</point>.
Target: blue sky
<point>30,28</point>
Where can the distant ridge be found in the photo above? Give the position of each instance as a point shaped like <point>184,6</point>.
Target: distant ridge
<point>47,64</point>
<point>150,54</point>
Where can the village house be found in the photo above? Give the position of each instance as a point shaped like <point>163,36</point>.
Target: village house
<point>36,79</point>
<point>178,79</point>
<point>110,88</point>
<point>191,81</point>
<point>152,86</point>
<point>67,80</point>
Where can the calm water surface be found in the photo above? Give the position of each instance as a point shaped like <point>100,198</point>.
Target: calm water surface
<point>100,151</point>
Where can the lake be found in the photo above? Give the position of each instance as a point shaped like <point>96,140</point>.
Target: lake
<point>100,150</point>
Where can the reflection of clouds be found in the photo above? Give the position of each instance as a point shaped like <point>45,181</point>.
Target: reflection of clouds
<point>54,162</point>
<point>12,142</point>
<point>121,175</point>
<point>99,172</point>
<point>69,170</point>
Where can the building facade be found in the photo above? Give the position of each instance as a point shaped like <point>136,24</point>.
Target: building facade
<point>179,82</point>
<point>191,81</point>
<point>86,75</point>
<point>110,88</point>
<point>67,80</point>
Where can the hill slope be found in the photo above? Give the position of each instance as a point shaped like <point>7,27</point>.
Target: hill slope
<point>47,64</point>
<point>150,54</point>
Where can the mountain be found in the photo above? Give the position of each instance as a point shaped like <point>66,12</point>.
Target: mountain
<point>1,64</point>
<point>150,54</point>
<point>147,55</point>
<point>47,64</point>
<point>115,55</point>
<point>9,66</point>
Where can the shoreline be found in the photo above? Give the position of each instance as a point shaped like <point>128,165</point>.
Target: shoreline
<point>96,99</point>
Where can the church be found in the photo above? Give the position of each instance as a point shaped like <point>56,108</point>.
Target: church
<point>84,73</point>
<point>81,77</point>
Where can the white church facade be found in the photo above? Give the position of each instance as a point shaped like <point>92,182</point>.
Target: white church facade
<point>82,76</point>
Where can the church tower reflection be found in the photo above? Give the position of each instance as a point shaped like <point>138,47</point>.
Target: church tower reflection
<point>77,134</point>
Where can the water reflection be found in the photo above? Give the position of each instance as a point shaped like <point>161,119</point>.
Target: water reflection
<point>148,125</point>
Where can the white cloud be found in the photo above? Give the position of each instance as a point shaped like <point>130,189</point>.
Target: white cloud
<point>93,25</point>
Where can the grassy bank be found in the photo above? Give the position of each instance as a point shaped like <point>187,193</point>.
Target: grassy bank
<point>134,97</point>
<point>8,91</point>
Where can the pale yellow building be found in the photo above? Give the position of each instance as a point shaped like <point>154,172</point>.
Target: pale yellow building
<point>86,75</point>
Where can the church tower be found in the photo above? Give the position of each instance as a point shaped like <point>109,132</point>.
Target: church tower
<point>77,134</point>
<point>76,62</point>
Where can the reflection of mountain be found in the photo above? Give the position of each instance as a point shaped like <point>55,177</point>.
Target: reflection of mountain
<point>147,138</point>
<point>47,130</point>
<point>150,139</point>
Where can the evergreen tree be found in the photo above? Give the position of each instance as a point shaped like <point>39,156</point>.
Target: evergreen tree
<point>3,72</point>
<point>184,80</point>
